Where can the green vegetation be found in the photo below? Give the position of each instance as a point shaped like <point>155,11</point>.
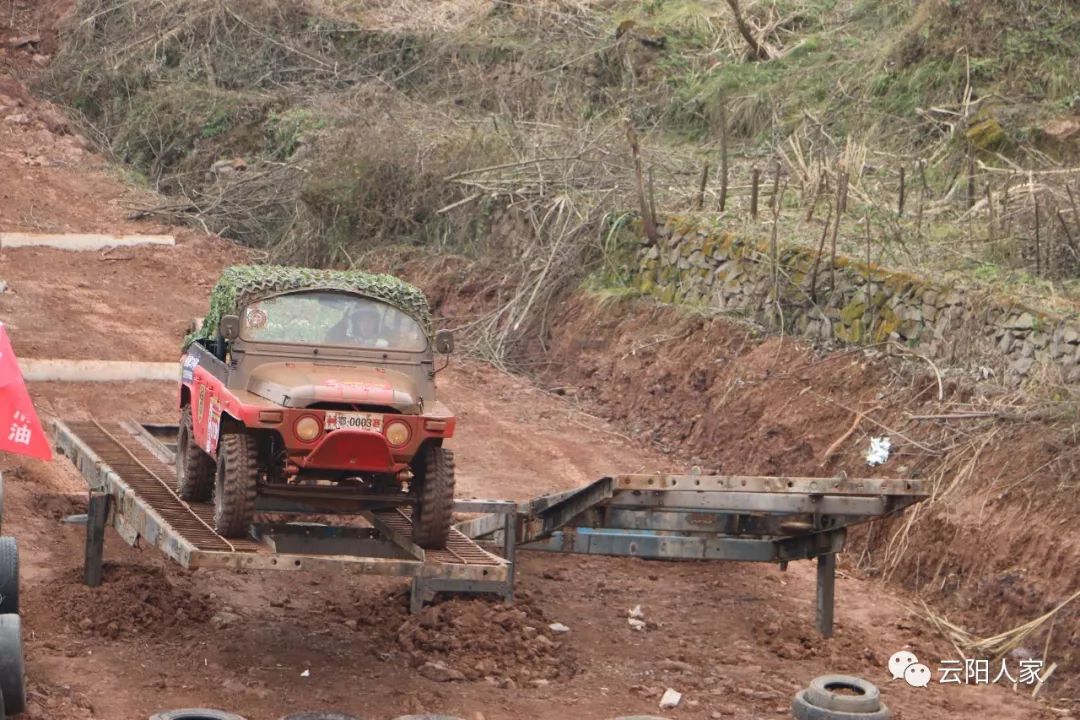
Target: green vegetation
<point>319,130</point>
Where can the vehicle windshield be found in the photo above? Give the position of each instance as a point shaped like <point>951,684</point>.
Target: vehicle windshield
<point>331,318</point>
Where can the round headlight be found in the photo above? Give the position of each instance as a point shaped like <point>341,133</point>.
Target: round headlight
<point>397,433</point>
<point>307,428</point>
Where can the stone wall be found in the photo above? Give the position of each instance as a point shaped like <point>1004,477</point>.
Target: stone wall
<point>858,304</point>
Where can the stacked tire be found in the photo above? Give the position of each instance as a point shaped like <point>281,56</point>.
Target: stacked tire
<point>12,677</point>
<point>839,697</point>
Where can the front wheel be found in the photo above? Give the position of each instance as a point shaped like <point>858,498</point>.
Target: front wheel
<point>433,471</point>
<point>194,468</point>
<point>235,484</point>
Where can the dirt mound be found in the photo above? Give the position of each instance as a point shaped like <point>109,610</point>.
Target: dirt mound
<point>469,640</point>
<point>132,600</point>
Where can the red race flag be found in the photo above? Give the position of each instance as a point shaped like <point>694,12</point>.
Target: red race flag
<point>20,431</point>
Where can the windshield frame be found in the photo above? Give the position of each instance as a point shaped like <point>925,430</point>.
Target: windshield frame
<point>350,347</point>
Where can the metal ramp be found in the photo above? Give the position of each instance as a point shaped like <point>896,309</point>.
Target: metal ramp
<point>129,468</point>
<point>130,471</point>
<point>710,517</point>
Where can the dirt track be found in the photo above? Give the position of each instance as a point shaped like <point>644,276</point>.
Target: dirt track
<point>736,640</point>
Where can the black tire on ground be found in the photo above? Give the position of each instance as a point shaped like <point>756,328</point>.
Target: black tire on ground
<point>9,575</point>
<point>195,714</point>
<point>801,709</point>
<point>12,674</point>
<point>433,470</point>
<point>860,696</point>
<point>235,484</point>
<point>194,468</point>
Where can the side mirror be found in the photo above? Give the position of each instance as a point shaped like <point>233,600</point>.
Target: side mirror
<point>444,342</point>
<point>229,327</point>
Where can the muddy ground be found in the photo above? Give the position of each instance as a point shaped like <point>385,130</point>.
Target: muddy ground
<point>737,640</point>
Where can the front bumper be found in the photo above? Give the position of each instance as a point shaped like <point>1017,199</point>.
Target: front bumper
<point>358,450</point>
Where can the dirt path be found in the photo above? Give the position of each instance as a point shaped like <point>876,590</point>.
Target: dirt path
<point>736,640</point>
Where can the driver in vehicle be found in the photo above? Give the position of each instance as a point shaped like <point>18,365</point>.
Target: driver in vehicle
<point>365,330</point>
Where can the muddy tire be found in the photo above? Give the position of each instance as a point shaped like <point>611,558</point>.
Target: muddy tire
<point>194,468</point>
<point>433,469</point>
<point>802,709</point>
<point>235,484</point>
<point>12,674</point>
<point>9,575</point>
<point>195,714</point>
<point>855,694</point>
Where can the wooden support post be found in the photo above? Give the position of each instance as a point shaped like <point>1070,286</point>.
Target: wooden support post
<point>971,177</point>
<point>900,202</point>
<point>1038,250</point>
<point>701,185</point>
<point>723,157</point>
<point>97,520</point>
<point>755,179</point>
<point>826,593</point>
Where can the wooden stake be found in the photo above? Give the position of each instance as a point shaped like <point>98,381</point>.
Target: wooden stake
<point>1038,252</point>
<point>867,219</point>
<point>723,157</point>
<point>817,196</point>
<point>755,178</point>
<point>647,217</point>
<point>990,209</point>
<point>843,188</point>
<point>776,188</point>
<point>652,198</point>
<point>900,202</point>
<point>971,177</point>
<point>701,185</point>
<point>923,192</point>
<point>774,243</point>
<point>1006,222</point>
<point>1068,235</point>
<point>817,258</point>
<point>835,232</point>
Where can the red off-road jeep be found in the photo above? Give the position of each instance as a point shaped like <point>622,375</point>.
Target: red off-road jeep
<point>314,391</point>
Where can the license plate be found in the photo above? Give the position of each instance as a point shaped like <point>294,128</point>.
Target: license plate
<point>353,421</point>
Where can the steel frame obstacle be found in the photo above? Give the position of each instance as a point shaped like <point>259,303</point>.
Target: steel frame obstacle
<point>129,468</point>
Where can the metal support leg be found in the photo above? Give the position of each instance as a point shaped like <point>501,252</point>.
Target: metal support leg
<point>417,595</point>
<point>826,588</point>
<point>510,552</point>
<point>96,521</point>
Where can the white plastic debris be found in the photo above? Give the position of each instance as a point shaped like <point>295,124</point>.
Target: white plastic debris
<point>879,451</point>
<point>671,699</point>
<point>558,628</point>
<point>636,624</point>
<point>306,673</point>
<point>636,613</point>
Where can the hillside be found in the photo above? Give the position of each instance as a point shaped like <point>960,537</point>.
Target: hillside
<point>328,128</point>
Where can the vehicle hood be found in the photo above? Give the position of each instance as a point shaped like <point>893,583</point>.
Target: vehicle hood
<point>303,384</point>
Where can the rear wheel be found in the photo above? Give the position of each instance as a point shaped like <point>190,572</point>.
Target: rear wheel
<point>12,676</point>
<point>235,484</point>
<point>433,471</point>
<point>194,468</point>
<point>9,575</point>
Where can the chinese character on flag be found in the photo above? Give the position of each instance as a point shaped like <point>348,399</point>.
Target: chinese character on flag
<point>20,431</point>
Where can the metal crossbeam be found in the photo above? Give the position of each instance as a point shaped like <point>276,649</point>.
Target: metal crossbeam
<point>668,546</point>
<point>841,485</point>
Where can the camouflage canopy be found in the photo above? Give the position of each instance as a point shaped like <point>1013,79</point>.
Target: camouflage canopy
<point>241,285</point>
